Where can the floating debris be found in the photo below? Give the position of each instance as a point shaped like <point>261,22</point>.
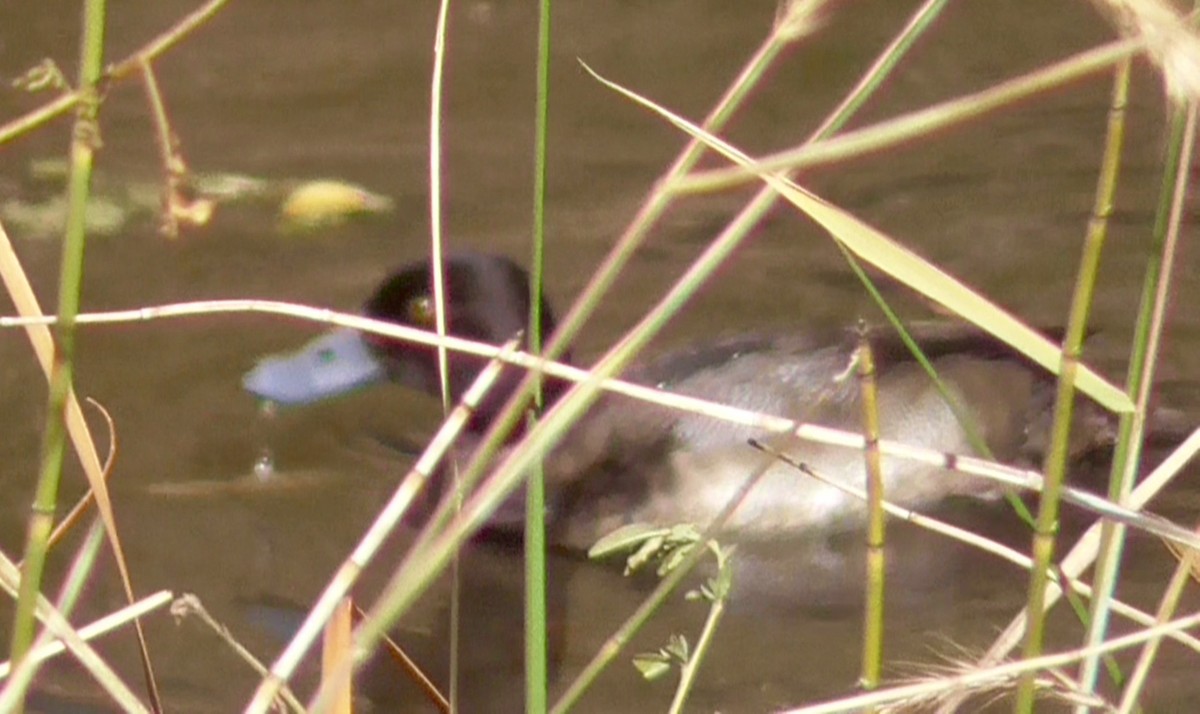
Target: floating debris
<point>103,216</point>
<point>35,205</point>
<point>325,202</point>
<point>223,187</point>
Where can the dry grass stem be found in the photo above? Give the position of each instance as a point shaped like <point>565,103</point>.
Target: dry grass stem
<point>16,282</point>
<point>1170,38</point>
<point>1086,548</point>
<point>411,668</point>
<point>1018,478</point>
<point>913,126</point>
<point>1051,685</point>
<point>104,625</point>
<point>188,605</point>
<point>118,71</point>
<point>968,681</point>
<point>439,296</point>
<point>897,261</point>
<point>75,642</point>
<point>335,649</point>
<point>1185,569</point>
<point>175,208</point>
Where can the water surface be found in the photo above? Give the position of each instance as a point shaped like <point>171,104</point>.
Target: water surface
<point>312,90</point>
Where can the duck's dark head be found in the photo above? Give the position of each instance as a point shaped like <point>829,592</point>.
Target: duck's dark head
<point>487,300</point>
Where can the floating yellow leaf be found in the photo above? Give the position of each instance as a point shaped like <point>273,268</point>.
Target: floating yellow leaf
<point>314,204</point>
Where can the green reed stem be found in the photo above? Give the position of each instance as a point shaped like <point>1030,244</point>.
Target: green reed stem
<point>69,592</point>
<point>872,653</point>
<point>720,598</point>
<point>1054,465</point>
<point>1082,612</point>
<point>1140,379</point>
<point>880,70</point>
<point>1105,573</point>
<point>617,641</point>
<point>536,676</point>
<point>83,146</point>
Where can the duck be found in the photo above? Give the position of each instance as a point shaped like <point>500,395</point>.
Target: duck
<point>631,462</point>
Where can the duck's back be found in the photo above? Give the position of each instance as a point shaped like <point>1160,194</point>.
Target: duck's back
<point>631,462</point>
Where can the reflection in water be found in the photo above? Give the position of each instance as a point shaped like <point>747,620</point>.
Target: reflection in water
<point>812,586</point>
<point>264,465</point>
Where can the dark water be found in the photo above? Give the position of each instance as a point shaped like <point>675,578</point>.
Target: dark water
<point>310,90</point>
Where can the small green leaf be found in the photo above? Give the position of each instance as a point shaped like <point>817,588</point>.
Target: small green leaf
<point>652,665</point>
<point>720,585</point>
<point>623,539</point>
<point>683,533</point>
<point>677,647</point>
<point>644,554</point>
<point>675,557</point>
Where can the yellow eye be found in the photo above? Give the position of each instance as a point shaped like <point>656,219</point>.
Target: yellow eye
<point>420,311</point>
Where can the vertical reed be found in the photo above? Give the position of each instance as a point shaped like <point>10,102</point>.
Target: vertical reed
<point>872,651</point>
<point>84,143</point>
<point>1054,466</point>
<point>536,676</point>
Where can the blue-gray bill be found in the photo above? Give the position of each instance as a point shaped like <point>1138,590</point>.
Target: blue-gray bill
<point>334,363</point>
